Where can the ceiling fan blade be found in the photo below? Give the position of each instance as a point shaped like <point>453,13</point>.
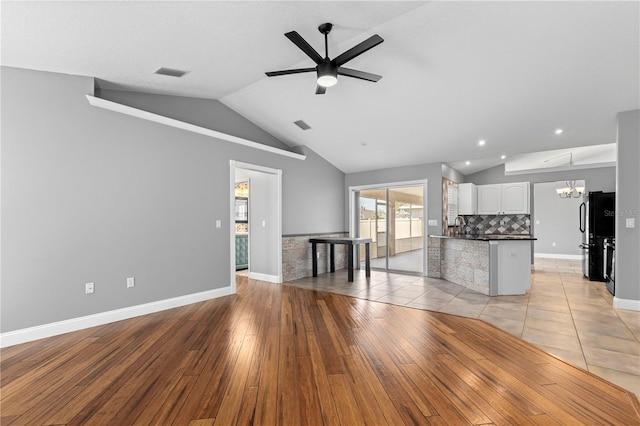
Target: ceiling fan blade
<point>304,46</point>
<point>320,90</point>
<point>285,72</point>
<point>358,49</point>
<point>359,74</point>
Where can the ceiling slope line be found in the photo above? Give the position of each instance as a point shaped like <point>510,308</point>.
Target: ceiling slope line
<point>172,122</point>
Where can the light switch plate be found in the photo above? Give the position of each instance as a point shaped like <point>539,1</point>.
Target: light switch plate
<point>631,222</point>
<point>433,222</point>
<point>218,223</point>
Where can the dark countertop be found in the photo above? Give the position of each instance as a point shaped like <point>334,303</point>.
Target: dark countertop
<point>488,237</point>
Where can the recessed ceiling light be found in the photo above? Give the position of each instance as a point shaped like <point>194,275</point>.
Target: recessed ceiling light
<point>502,157</point>
<point>467,162</point>
<point>558,131</point>
<point>481,142</point>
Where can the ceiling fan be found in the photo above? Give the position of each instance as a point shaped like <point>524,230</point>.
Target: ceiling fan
<point>328,69</point>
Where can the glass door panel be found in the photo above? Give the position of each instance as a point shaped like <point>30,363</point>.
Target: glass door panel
<point>393,218</point>
<point>406,239</point>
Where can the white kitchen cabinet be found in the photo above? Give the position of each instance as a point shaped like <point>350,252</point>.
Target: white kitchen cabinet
<point>507,198</point>
<point>467,199</point>
<point>515,198</point>
<point>489,199</point>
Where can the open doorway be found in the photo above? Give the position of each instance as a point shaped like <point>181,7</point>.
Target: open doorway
<point>556,220</point>
<point>261,217</point>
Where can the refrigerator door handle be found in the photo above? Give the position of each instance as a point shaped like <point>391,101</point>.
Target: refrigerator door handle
<point>584,246</point>
<point>582,210</point>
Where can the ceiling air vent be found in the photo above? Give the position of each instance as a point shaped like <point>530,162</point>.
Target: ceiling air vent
<point>302,125</point>
<point>170,72</point>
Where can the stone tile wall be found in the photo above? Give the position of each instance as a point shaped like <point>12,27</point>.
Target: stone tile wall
<point>296,256</point>
<point>464,262</point>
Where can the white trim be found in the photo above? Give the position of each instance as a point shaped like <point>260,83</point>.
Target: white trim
<point>156,118</point>
<point>559,256</point>
<point>232,226</point>
<point>74,324</point>
<point>628,304</point>
<point>265,277</point>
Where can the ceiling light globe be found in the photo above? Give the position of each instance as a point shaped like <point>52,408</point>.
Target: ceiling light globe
<point>327,80</point>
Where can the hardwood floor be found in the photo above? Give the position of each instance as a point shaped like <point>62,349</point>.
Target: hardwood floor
<point>276,354</point>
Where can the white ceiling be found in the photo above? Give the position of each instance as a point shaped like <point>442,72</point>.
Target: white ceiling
<point>453,72</point>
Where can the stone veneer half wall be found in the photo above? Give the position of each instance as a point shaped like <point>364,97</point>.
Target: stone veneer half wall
<point>464,262</point>
<point>296,255</point>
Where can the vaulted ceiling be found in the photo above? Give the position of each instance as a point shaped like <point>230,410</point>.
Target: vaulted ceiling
<point>454,73</point>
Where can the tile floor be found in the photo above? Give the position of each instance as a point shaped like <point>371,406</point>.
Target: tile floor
<point>563,313</point>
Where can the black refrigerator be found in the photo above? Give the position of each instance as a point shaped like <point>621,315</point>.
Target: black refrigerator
<point>597,222</point>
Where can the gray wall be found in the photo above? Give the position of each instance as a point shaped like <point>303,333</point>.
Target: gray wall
<point>556,220</point>
<point>90,195</point>
<point>628,206</point>
<point>432,172</point>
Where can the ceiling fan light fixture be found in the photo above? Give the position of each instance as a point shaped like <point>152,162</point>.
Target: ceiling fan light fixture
<point>327,74</point>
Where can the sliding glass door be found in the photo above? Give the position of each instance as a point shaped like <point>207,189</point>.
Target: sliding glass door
<point>393,217</point>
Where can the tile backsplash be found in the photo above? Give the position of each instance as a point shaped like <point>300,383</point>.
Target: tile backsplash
<point>499,224</point>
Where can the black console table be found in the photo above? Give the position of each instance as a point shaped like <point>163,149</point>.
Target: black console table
<point>349,242</point>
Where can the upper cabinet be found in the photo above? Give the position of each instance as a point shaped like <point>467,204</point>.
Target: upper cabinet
<point>507,198</point>
<point>467,199</point>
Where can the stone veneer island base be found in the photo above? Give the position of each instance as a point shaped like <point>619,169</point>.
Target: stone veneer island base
<point>492,265</point>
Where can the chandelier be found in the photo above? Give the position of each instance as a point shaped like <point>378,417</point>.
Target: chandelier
<point>570,190</point>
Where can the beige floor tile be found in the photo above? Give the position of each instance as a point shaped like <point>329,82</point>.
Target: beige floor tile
<point>509,325</point>
<point>554,340</point>
<point>549,326</point>
<point>614,328</point>
<point>572,357</point>
<point>512,312</point>
<point>562,318</point>
<point>612,360</point>
<point>612,343</point>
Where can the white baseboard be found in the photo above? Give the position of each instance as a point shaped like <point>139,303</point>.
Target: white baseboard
<point>559,256</point>
<point>628,304</point>
<point>265,277</point>
<point>53,329</point>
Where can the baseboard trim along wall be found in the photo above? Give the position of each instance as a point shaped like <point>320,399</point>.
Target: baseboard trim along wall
<point>628,304</point>
<point>559,256</point>
<point>265,277</point>
<point>53,329</point>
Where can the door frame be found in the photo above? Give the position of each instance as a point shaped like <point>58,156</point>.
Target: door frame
<point>276,207</point>
<point>353,220</point>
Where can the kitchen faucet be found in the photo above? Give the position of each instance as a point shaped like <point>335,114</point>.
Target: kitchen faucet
<point>459,226</point>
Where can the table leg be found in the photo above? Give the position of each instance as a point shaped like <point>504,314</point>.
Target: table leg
<point>332,257</point>
<point>350,263</point>
<point>367,260</point>
<point>314,259</point>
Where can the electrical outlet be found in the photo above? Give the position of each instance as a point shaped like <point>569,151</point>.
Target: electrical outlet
<point>553,244</point>
<point>131,282</point>
<point>88,288</point>
<point>514,255</point>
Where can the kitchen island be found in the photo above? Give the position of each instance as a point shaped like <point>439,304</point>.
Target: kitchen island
<point>490,264</point>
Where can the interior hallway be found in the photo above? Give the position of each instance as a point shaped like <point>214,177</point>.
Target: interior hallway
<point>563,313</point>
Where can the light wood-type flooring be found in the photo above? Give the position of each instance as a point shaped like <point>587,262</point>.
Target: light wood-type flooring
<point>279,354</point>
